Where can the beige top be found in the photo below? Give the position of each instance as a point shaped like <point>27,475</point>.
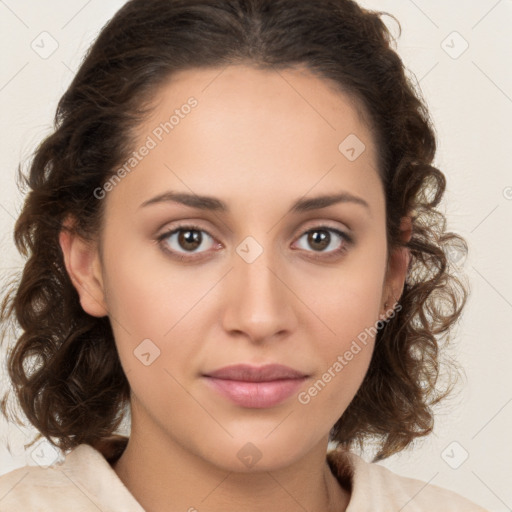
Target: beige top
<point>86,482</point>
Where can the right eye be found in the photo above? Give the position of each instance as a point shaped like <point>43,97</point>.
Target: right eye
<point>182,242</point>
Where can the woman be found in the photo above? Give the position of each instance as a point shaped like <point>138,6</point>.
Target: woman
<point>232,236</point>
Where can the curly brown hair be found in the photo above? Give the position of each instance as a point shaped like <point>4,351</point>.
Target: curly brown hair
<point>64,367</point>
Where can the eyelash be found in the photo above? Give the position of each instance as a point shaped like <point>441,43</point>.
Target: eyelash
<point>348,241</point>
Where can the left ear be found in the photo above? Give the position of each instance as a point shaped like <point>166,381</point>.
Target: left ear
<point>397,269</point>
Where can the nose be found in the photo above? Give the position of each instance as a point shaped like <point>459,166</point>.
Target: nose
<point>259,302</point>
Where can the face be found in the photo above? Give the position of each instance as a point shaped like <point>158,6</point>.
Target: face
<point>243,277</point>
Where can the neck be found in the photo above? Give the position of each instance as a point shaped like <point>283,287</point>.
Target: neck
<point>165,477</point>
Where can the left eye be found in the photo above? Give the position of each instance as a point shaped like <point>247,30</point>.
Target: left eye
<point>190,239</point>
<point>321,238</point>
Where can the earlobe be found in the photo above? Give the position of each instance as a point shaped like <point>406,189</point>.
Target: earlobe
<point>83,265</point>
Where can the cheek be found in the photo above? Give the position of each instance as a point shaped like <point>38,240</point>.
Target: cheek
<point>147,294</point>
<point>348,306</point>
<point>348,301</point>
<point>161,314</point>
<point>343,360</point>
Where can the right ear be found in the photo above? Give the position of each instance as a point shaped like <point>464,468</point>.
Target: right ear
<point>83,265</point>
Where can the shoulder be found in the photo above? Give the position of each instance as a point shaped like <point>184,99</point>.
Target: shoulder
<point>83,482</point>
<point>376,488</point>
<point>31,486</point>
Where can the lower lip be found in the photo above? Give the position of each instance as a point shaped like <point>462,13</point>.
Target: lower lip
<point>257,395</point>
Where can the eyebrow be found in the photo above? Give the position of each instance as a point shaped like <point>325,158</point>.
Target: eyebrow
<point>217,205</point>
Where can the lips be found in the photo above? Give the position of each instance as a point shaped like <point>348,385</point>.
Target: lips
<point>255,387</point>
<point>247,373</point>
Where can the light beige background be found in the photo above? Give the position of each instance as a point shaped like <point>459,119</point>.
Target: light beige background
<point>470,98</point>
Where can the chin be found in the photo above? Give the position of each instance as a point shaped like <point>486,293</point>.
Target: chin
<point>246,454</point>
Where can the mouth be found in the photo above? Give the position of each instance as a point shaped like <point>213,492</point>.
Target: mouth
<point>256,386</point>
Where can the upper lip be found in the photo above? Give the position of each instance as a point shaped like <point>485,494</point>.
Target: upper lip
<point>250,373</point>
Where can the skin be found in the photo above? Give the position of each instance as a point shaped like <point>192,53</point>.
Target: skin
<point>258,140</point>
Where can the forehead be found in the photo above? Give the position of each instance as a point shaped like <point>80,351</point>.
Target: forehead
<point>250,90</point>
<point>252,131</point>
